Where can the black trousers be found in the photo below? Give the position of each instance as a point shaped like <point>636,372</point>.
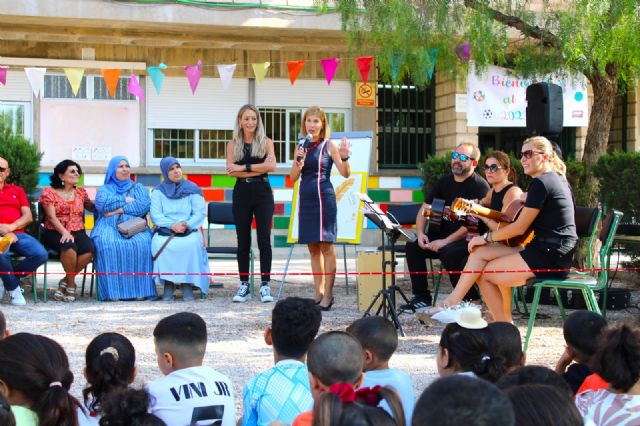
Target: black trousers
<point>453,257</point>
<point>253,199</point>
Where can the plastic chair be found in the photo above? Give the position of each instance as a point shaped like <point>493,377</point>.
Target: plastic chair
<point>222,214</point>
<point>583,282</point>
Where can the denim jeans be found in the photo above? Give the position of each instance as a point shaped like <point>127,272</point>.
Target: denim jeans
<point>34,255</point>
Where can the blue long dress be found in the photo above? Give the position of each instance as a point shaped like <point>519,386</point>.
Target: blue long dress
<point>184,259</point>
<point>317,212</point>
<point>114,253</point>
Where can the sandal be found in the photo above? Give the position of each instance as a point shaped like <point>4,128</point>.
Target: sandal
<point>58,295</point>
<point>71,295</point>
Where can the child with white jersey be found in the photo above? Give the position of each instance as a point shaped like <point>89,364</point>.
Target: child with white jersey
<point>190,392</point>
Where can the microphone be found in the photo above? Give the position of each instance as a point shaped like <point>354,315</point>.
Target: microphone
<point>304,143</point>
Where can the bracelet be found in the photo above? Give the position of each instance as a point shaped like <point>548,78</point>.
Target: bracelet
<point>247,167</point>
<point>346,159</point>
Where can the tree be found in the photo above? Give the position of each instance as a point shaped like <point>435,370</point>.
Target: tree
<point>597,38</point>
<point>23,157</point>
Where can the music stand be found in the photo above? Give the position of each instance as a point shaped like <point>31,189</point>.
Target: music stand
<point>386,294</point>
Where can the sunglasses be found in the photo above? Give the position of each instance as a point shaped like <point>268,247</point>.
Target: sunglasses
<point>529,153</point>
<point>492,168</point>
<point>3,169</point>
<point>74,171</point>
<point>455,155</point>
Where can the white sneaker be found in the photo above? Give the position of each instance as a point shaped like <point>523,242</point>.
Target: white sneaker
<point>16,297</point>
<point>243,293</point>
<point>265,294</point>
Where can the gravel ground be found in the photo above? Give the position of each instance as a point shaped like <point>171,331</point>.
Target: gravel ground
<point>236,346</point>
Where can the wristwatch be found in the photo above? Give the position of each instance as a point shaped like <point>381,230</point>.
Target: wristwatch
<point>485,237</point>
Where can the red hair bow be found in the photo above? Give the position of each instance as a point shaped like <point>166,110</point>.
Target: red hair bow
<point>369,396</point>
<point>344,391</point>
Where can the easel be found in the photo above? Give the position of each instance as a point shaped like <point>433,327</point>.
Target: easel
<point>386,295</point>
<point>286,267</point>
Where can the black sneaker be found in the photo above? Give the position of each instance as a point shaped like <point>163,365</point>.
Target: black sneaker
<point>416,303</point>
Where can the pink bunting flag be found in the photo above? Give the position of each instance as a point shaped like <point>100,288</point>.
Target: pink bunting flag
<point>3,74</point>
<point>464,51</point>
<point>329,65</point>
<point>364,65</point>
<point>134,87</point>
<point>193,75</point>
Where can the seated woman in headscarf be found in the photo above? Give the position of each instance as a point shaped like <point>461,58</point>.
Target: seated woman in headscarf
<point>177,212</point>
<point>118,200</point>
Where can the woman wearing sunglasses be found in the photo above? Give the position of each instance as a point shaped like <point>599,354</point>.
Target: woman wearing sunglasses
<point>549,211</point>
<point>64,204</point>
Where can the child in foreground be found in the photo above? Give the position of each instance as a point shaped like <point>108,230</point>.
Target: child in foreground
<point>190,392</point>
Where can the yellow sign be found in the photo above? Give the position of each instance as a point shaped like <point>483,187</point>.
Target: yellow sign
<point>366,94</point>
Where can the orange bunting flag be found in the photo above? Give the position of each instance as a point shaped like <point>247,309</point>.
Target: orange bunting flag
<point>295,67</point>
<point>364,65</point>
<point>111,77</point>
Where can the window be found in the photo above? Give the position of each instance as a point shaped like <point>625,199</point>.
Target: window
<point>17,116</point>
<point>91,87</point>
<point>191,144</point>
<point>176,143</point>
<point>100,90</point>
<point>405,125</point>
<point>213,143</point>
<point>57,86</point>
<point>283,127</point>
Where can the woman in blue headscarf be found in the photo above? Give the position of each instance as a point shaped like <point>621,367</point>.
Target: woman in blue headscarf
<point>119,200</point>
<point>177,212</point>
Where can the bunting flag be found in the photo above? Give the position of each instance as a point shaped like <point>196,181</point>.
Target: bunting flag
<point>329,65</point>
<point>36,79</point>
<point>432,65</point>
<point>157,76</point>
<point>396,60</point>
<point>364,65</point>
<point>3,74</point>
<point>193,75</point>
<point>295,67</point>
<point>134,87</point>
<point>74,75</point>
<point>260,70</point>
<point>226,74</point>
<point>464,51</point>
<point>111,77</point>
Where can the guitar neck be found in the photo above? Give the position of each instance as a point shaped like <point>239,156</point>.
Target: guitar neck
<point>483,211</point>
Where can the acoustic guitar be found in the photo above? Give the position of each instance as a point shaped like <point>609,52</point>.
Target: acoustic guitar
<point>462,207</point>
<point>437,211</point>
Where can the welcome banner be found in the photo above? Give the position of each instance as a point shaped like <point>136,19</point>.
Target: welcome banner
<point>497,98</point>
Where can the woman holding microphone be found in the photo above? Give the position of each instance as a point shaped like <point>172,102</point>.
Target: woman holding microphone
<point>317,225</point>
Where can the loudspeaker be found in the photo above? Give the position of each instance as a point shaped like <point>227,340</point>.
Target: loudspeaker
<point>544,109</point>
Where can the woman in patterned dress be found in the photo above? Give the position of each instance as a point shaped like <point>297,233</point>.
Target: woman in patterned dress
<point>118,200</point>
<point>64,203</point>
<point>317,211</point>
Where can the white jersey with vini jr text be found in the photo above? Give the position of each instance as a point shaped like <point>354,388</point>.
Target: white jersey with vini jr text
<point>193,396</point>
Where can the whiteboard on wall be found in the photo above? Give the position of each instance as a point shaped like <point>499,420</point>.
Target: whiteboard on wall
<point>349,205</point>
<point>89,131</point>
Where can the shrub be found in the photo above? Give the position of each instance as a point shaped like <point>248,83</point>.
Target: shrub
<point>23,157</point>
<point>618,174</point>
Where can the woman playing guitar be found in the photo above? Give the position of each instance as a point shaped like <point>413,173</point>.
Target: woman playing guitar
<point>549,210</point>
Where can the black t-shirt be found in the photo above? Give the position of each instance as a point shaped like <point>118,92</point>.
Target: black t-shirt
<point>447,188</point>
<point>550,193</point>
<point>248,159</point>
